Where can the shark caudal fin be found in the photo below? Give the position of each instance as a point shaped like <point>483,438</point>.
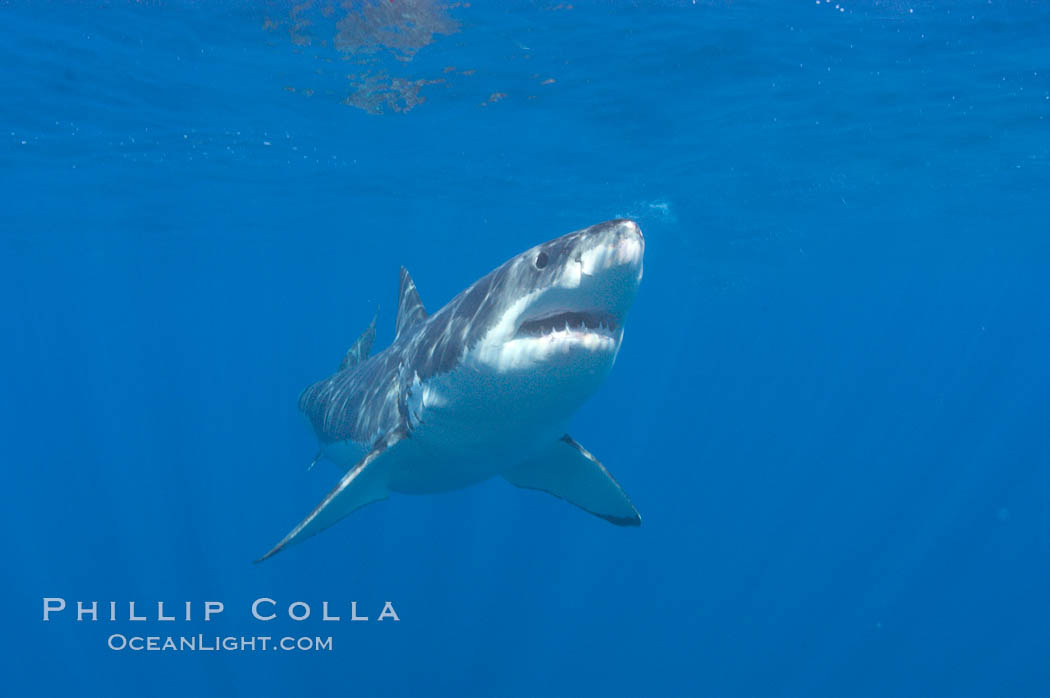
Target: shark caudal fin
<point>362,484</point>
<point>569,471</point>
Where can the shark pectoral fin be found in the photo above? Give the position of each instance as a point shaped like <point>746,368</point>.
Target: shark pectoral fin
<point>569,471</point>
<point>362,484</point>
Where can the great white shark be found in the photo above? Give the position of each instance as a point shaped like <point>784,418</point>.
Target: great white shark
<point>485,386</point>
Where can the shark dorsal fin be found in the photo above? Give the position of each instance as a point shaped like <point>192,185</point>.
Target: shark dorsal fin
<point>359,351</point>
<point>409,308</point>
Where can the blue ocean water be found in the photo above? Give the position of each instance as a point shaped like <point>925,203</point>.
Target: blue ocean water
<point>830,407</point>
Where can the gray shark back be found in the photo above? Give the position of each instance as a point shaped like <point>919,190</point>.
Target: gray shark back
<point>358,403</point>
<point>366,398</point>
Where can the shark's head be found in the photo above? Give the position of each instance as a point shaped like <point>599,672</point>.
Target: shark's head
<point>560,318</point>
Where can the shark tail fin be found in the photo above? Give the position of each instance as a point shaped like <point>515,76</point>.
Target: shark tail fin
<point>362,484</point>
<point>569,471</point>
<point>410,309</point>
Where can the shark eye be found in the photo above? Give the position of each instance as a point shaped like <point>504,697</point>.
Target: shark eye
<point>541,260</point>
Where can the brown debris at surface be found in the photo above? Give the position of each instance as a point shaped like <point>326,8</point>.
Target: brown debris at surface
<point>379,94</point>
<point>401,27</point>
<point>379,35</point>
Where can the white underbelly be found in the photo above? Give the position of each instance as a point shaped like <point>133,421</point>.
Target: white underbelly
<point>437,459</point>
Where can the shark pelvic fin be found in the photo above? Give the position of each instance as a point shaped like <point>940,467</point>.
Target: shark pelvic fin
<point>569,471</point>
<point>409,308</point>
<point>359,351</point>
<point>362,484</point>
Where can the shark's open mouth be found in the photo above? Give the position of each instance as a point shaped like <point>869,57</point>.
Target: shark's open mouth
<point>580,321</point>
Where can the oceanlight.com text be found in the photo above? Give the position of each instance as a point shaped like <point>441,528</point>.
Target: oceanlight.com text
<point>217,643</point>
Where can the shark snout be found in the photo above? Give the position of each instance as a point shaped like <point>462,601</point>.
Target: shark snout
<point>629,247</point>
<point>616,244</point>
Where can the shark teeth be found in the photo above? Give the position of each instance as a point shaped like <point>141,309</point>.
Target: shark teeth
<point>569,321</point>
